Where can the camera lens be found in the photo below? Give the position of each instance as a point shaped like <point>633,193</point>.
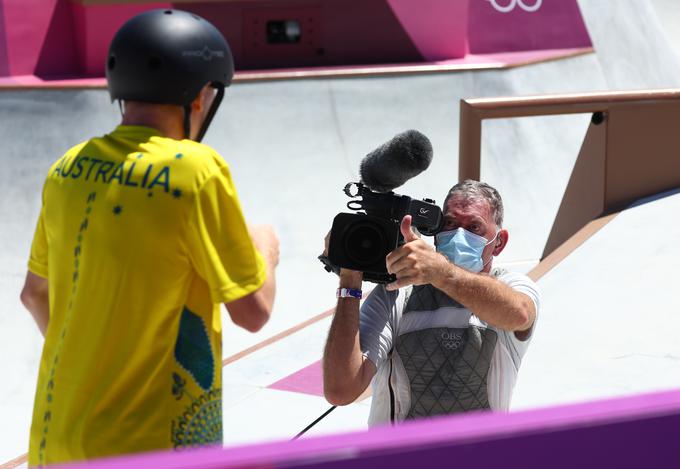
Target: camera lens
<point>364,243</point>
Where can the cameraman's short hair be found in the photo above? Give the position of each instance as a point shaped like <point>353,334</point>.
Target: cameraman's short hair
<point>475,190</point>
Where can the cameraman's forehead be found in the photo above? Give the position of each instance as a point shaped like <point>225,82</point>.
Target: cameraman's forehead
<point>458,206</point>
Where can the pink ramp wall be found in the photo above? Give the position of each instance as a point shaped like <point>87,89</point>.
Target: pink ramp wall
<point>335,32</point>
<point>69,38</point>
<point>515,25</point>
<point>4,60</point>
<point>441,33</point>
<point>58,54</point>
<point>96,26</point>
<point>26,23</point>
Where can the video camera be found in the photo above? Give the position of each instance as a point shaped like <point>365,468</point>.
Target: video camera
<point>361,241</point>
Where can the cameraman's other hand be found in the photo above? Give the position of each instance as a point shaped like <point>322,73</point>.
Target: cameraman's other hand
<point>265,240</point>
<point>415,262</point>
<point>348,278</point>
<point>326,242</point>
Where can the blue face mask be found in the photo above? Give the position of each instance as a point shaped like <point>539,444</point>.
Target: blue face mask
<point>463,248</point>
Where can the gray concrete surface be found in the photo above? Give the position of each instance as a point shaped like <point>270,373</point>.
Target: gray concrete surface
<point>610,318</point>
<point>632,43</point>
<point>292,146</point>
<point>668,13</point>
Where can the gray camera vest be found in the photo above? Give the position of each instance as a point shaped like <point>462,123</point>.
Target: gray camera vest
<point>447,367</point>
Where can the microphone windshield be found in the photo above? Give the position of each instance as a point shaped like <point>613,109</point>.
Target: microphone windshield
<point>395,162</point>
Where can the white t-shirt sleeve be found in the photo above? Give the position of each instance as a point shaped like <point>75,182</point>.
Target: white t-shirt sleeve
<point>523,284</point>
<point>376,324</point>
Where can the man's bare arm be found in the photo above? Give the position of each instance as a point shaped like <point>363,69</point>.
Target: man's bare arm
<point>346,371</point>
<point>417,263</point>
<point>35,297</point>
<point>254,310</point>
<point>489,299</point>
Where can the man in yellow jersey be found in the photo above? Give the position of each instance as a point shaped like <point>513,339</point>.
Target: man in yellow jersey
<point>139,240</point>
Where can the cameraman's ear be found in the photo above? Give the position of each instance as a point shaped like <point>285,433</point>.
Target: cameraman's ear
<point>501,242</point>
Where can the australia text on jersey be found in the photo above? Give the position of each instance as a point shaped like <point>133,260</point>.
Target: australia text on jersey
<point>97,170</point>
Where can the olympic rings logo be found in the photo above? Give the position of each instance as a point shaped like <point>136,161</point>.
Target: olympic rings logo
<point>452,340</point>
<point>512,4</point>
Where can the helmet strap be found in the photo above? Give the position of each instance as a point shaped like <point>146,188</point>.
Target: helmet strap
<point>187,121</point>
<point>211,112</point>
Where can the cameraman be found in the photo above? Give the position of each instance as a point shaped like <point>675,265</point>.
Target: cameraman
<point>449,334</point>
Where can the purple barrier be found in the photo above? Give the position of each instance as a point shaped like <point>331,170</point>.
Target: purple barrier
<point>514,25</point>
<point>630,432</point>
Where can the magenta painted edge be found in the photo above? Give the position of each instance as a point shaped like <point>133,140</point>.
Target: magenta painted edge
<point>308,380</point>
<point>472,61</point>
<point>497,59</point>
<point>451,431</point>
<point>519,57</point>
<point>32,81</point>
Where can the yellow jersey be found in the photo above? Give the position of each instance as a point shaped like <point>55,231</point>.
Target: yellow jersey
<point>141,238</point>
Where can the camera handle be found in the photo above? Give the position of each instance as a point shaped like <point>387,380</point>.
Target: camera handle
<point>328,265</point>
<point>357,186</point>
<point>368,276</point>
<point>355,205</point>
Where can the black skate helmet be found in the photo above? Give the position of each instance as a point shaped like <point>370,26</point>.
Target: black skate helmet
<point>167,57</point>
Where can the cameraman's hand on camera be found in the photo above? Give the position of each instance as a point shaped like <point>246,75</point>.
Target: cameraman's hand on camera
<point>348,278</point>
<point>415,262</point>
<point>326,242</point>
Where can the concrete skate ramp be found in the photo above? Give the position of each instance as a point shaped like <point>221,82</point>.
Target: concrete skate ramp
<point>610,318</point>
<point>668,13</point>
<point>292,145</point>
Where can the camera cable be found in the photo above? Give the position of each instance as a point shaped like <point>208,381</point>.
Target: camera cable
<point>319,419</point>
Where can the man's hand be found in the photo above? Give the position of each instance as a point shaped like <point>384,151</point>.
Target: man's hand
<point>326,242</point>
<point>416,262</point>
